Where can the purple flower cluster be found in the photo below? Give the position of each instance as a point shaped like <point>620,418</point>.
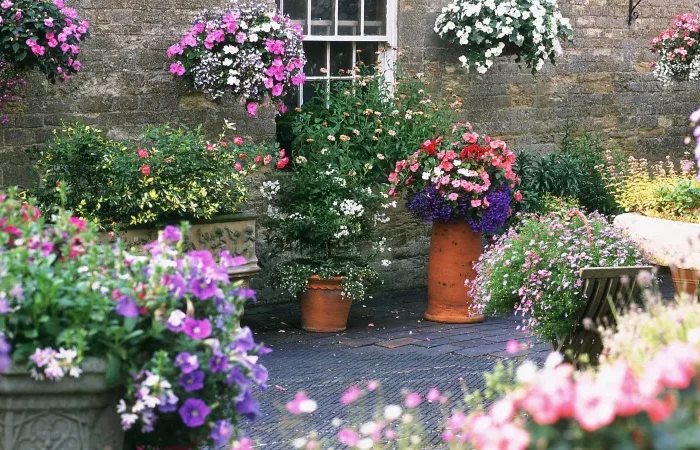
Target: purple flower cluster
<point>494,217</point>
<point>429,205</point>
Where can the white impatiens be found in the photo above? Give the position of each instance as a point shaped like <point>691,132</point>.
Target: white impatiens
<point>532,30</point>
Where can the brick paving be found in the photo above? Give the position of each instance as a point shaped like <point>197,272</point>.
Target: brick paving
<point>386,340</point>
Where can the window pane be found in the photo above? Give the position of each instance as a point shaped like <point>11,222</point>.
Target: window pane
<point>367,53</point>
<point>296,9</point>
<point>322,17</point>
<point>349,17</point>
<point>375,17</point>
<point>314,88</point>
<point>341,58</point>
<point>315,58</point>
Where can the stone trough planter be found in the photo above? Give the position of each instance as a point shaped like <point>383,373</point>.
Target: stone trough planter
<point>72,414</point>
<point>668,243</point>
<point>235,233</point>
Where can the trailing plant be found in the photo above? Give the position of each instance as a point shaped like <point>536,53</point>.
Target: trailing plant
<point>678,51</point>
<point>43,35</point>
<point>167,323</point>
<point>459,176</point>
<point>532,30</point>
<point>533,269</point>
<point>10,80</point>
<point>377,122</point>
<point>175,174</point>
<point>251,51</point>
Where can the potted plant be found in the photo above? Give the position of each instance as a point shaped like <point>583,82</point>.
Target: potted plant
<point>531,30</point>
<point>534,270</point>
<point>253,52</point>
<point>96,340</point>
<point>463,183</point>
<point>326,212</point>
<point>175,174</point>
<point>678,51</point>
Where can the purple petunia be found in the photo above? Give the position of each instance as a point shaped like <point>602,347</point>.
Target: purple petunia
<point>203,288</point>
<point>194,412</point>
<point>231,261</point>
<point>221,432</point>
<point>218,363</point>
<point>248,294</point>
<point>127,307</point>
<point>176,285</point>
<point>172,233</point>
<point>236,376</point>
<point>5,348</point>
<point>176,321</point>
<point>4,306</point>
<point>193,381</point>
<point>168,403</point>
<point>248,406</point>
<point>197,329</point>
<point>186,362</point>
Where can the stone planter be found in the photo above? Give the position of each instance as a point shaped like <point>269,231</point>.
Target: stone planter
<point>72,414</point>
<point>235,233</point>
<point>454,249</point>
<point>667,243</point>
<point>324,308</point>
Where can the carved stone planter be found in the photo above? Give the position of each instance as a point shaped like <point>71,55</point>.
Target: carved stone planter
<point>235,233</point>
<point>72,414</point>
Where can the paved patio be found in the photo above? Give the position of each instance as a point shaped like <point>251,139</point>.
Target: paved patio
<point>386,340</point>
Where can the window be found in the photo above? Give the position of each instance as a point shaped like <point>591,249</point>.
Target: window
<point>339,34</point>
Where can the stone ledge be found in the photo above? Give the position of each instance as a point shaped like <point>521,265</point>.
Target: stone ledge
<point>667,242</point>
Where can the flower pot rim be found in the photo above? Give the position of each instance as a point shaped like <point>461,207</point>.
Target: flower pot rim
<point>90,365</point>
<point>332,279</point>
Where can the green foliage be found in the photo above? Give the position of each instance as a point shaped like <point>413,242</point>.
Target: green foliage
<point>680,198</point>
<point>379,122</point>
<point>577,172</point>
<point>176,175</point>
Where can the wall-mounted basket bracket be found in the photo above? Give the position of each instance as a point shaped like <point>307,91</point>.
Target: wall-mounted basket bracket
<point>632,13</point>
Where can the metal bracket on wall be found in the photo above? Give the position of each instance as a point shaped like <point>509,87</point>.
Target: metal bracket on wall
<point>632,13</point>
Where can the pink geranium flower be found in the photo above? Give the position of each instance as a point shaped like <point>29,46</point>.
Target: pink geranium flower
<point>177,69</point>
<point>350,395</point>
<point>412,400</point>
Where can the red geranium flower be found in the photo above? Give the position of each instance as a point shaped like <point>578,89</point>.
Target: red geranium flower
<point>143,154</point>
<point>146,170</point>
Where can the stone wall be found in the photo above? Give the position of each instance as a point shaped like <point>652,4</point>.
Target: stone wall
<point>125,83</point>
<point>602,83</point>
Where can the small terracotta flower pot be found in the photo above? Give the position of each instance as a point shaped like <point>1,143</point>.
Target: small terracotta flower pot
<point>454,248</point>
<point>323,307</point>
<point>685,280</point>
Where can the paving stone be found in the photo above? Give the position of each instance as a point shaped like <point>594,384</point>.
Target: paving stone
<point>361,342</point>
<point>397,342</point>
<point>480,350</point>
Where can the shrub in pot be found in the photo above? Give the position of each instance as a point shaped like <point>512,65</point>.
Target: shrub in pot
<point>95,339</point>
<point>464,184</point>
<point>175,174</point>
<point>326,212</point>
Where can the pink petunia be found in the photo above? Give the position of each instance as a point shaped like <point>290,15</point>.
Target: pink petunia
<point>277,90</point>
<point>252,109</point>
<point>350,395</point>
<point>175,50</point>
<point>348,437</point>
<point>177,68</point>
<point>412,400</point>
<point>298,79</point>
<point>48,22</point>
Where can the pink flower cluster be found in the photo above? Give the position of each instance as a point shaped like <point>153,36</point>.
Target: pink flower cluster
<point>678,49</point>
<point>591,401</point>
<point>250,51</point>
<point>55,40</point>
<point>467,166</point>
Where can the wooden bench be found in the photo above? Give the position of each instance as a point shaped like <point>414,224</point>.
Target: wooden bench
<point>604,288</point>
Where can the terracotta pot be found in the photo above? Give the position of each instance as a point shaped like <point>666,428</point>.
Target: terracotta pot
<point>685,280</point>
<point>323,307</point>
<point>454,248</point>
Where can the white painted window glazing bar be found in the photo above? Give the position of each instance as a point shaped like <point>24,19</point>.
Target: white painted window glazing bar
<point>336,4</point>
<point>362,17</point>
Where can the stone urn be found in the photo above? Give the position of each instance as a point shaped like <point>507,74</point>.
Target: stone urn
<point>236,233</point>
<point>71,414</point>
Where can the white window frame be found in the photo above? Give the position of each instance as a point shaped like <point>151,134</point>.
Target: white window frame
<point>387,42</point>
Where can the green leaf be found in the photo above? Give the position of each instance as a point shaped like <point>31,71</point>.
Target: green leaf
<point>114,366</point>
